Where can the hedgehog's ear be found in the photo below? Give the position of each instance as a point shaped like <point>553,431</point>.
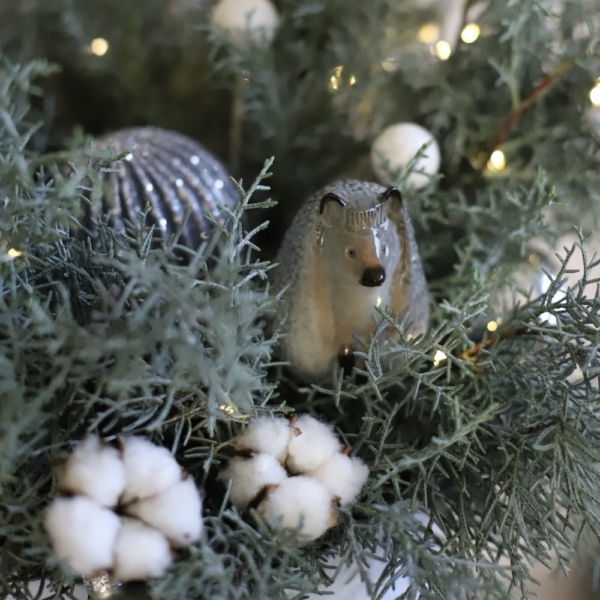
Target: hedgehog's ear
<point>392,193</point>
<point>330,208</point>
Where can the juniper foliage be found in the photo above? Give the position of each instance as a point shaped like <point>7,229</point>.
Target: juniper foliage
<point>482,447</point>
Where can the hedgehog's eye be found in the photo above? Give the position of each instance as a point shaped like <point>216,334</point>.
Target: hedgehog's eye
<point>351,252</point>
<point>384,249</point>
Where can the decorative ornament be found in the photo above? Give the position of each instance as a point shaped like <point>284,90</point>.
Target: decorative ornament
<point>531,281</point>
<point>350,249</point>
<point>593,118</point>
<point>395,148</point>
<point>140,480</point>
<point>171,173</point>
<point>256,18</point>
<point>297,486</point>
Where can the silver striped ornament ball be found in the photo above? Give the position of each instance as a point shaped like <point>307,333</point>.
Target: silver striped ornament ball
<point>170,172</point>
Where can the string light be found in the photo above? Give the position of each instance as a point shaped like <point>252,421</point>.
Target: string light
<point>442,50</point>
<point>595,93</point>
<point>334,81</point>
<point>497,161</point>
<point>438,358</point>
<point>13,253</point>
<point>429,33</point>
<point>492,326</point>
<point>352,80</point>
<point>99,46</point>
<point>470,33</point>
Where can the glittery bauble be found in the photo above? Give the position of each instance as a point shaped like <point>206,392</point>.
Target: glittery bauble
<point>103,587</point>
<point>172,174</point>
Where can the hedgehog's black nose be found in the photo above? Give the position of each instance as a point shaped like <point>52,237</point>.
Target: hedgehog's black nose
<point>373,277</point>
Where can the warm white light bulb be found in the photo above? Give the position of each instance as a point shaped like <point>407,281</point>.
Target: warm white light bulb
<point>470,33</point>
<point>595,95</point>
<point>99,46</point>
<point>439,357</point>
<point>497,161</point>
<point>429,33</point>
<point>443,50</point>
<point>492,326</point>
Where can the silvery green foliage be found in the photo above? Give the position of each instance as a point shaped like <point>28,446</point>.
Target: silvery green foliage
<point>495,445</point>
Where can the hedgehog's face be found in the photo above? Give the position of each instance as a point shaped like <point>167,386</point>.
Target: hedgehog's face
<point>364,257</point>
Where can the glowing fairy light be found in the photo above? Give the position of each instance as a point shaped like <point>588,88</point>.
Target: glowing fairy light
<point>497,161</point>
<point>99,46</point>
<point>595,94</point>
<point>470,33</point>
<point>492,326</point>
<point>352,80</point>
<point>429,33</point>
<point>336,78</point>
<point>442,50</point>
<point>438,358</point>
<point>12,253</point>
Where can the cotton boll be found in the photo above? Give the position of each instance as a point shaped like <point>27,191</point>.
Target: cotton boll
<point>142,552</point>
<point>313,444</point>
<point>83,534</point>
<point>267,435</point>
<point>342,476</point>
<point>177,512</point>
<point>149,469</point>
<point>249,476</point>
<point>300,503</point>
<point>94,469</point>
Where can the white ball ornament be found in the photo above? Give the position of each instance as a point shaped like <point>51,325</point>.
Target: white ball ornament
<point>258,18</point>
<point>397,145</point>
<point>83,534</point>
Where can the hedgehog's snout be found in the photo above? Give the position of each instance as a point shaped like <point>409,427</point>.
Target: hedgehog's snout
<point>373,276</point>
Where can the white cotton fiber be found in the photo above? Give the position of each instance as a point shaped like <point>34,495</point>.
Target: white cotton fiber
<point>83,534</point>
<point>342,476</point>
<point>141,552</point>
<point>267,435</point>
<point>93,469</point>
<point>149,469</point>
<point>249,476</point>
<point>300,503</point>
<point>313,444</point>
<point>177,512</point>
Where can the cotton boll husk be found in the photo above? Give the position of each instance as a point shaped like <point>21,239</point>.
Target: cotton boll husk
<point>141,552</point>
<point>313,444</point>
<point>267,435</point>
<point>83,534</point>
<point>249,476</point>
<point>93,469</point>
<point>177,512</point>
<point>300,503</point>
<point>149,469</point>
<point>342,476</point>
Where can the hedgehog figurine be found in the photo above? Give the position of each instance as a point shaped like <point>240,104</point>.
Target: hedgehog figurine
<point>350,248</point>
